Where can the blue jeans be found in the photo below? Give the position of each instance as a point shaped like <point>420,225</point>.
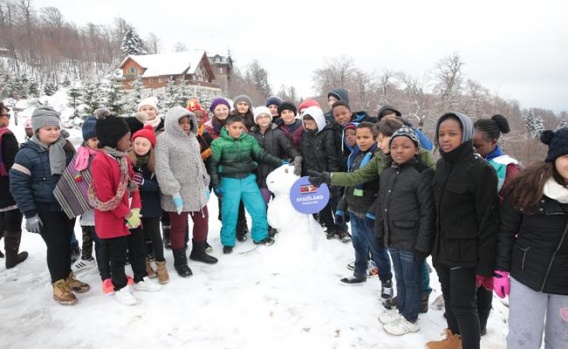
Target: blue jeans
<point>426,289</point>
<point>246,189</point>
<point>364,241</point>
<point>407,270</point>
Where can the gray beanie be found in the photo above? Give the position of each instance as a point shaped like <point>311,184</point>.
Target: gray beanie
<point>242,98</point>
<point>43,117</point>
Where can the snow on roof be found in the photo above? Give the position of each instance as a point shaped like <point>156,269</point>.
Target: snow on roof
<point>168,63</point>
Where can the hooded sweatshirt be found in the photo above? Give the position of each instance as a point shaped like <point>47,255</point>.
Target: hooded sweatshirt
<point>319,149</point>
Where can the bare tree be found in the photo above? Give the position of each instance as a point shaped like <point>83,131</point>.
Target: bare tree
<point>180,47</point>
<point>257,76</point>
<point>51,16</point>
<point>337,72</point>
<point>448,78</point>
<point>153,43</point>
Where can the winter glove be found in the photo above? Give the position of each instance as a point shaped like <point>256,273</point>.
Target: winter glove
<point>501,283</point>
<point>138,178</point>
<point>134,220</point>
<point>219,191</point>
<point>178,202</point>
<point>340,217</point>
<point>485,281</point>
<point>207,194</point>
<point>298,166</point>
<point>34,224</point>
<point>317,178</point>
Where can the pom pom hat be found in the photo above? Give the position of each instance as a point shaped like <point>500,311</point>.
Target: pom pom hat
<point>557,143</point>
<point>88,128</point>
<point>109,128</point>
<point>148,133</point>
<point>150,101</point>
<point>218,101</point>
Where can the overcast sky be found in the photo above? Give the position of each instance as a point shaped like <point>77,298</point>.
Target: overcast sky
<point>517,49</point>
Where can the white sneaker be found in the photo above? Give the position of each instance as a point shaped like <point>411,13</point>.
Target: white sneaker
<point>401,327</point>
<point>83,265</point>
<point>146,285</point>
<point>125,297</point>
<point>389,316</point>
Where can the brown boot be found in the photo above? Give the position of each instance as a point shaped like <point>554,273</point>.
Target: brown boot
<point>62,293</point>
<point>452,341</point>
<point>162,271</point>
<point>76,285</point>
<point>149,270</point>
<point>12,244</point>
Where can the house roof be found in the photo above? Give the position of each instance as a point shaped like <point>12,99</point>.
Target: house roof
<point>168,63</point>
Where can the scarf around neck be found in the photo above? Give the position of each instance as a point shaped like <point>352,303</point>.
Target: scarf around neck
<point>124,184</point>
<point>57,156</point>
<point>83,156</point>
<point>154,123</point>
<point>556,191</point>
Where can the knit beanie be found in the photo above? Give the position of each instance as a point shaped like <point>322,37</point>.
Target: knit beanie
<point>557,143</point>
<point>287,106</point>
<point>258,111</point>
<point>273,100</point>
<point>350,126</point>
<point>308,103</point>
<point>217,101</point>
<point>405,131</point>
<point>242,98</point>
<point>89,128</point>
<point>148,133</point>
<point>110,128</point>
<point>43,117</point>
<point>150,101</point>
<point>339,94</point>
<point>134,123</point>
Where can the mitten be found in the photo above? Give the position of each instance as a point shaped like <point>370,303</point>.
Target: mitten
<point>134,220</point>
<point>485,281</point>
<point>138,178</point>
<point>34,224</point>
<point>501,283</point>
<point>317,178</point>
<point>178,202</point>
<point>219,191</point>
<point>298,166</point>
<point>339,217</point>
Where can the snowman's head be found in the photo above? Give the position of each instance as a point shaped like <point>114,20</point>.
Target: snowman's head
<point>280,180</point>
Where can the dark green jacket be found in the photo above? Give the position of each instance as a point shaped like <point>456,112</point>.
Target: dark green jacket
<point>372,170</point>
<point>236,158</point>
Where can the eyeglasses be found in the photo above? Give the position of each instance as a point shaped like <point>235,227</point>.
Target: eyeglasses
<point>6,115</point>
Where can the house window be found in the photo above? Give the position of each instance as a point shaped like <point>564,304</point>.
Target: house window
<point>160,80</point>
<point>221,70</point>
<point>133,70</point>
<point>150,80</point>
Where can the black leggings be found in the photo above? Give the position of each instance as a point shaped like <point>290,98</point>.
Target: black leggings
<point>118,248</point>
<point>151,227</point>
<point>56,232</point>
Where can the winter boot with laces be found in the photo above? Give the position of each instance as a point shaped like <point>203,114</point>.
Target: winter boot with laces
<point>198,253</point>
<point>12,244</point>
<point>76,285</point>
<point>180,263</point>
<point>62,293</point>
<point>452,341</point>
<point>162,271</point>
<point>149,270</point>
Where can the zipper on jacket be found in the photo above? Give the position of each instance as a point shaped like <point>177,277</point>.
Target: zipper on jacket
<point>525,251</point>
<point>553,257</point>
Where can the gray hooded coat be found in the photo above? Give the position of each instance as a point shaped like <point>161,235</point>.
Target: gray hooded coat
<point>179,167</point>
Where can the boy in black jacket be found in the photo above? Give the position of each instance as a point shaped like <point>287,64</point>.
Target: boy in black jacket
<point>355,204</point>
<point>320,153</point>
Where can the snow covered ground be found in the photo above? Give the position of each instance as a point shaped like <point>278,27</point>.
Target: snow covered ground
<point>283,296</point>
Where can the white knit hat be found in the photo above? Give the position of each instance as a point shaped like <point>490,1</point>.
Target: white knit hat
<point>261,110</point>
<point>150,101</point>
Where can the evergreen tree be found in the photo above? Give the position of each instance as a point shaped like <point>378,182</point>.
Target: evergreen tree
<point>172,95</point>
<point>134,97</point>
<point>33,88</point>
<point>74,95</point>
<point>66,82</point>
<point>563,123</point>
<point>533,122</point>
<point>49,89</point>
<point>132,44</point>
<point>115,95</point>
<point>91,97</point>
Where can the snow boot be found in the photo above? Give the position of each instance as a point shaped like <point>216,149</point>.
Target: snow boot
<point>242,230</point>
<point>266,241</point>
<point>386,289</point>
<point>198,253</point>
<point>62,293</point>
<point>12,245</point>
<point>149,270</point>
<point>180,263</point>
<point>227,249</point>
<point>162,271</point>
<point>166,235</point>
<point>76,285</point>
<point>452,341</point>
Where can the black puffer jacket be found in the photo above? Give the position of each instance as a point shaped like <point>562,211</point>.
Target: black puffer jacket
<point>319,149</point>
<point>9,148</point>
<point>405,213</point>
<point>534,247</point>
<point>275,142</point>
<point>467,206</point>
